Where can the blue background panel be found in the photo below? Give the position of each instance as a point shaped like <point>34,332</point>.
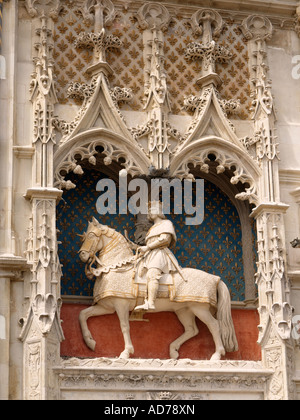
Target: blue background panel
<point>215,246</point>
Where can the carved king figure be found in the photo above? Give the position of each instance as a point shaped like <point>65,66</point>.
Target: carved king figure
<point>157,259</point>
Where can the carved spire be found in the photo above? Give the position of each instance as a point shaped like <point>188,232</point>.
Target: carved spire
<point>273,284</point>
<point>100,12</point>
<point>154,19</point>
<point>43,317</point>
<point>43,97</point>
<point>258,30</point>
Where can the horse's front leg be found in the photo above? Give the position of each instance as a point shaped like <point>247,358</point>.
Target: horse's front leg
<point>84,315</point>
<point>122,307</point>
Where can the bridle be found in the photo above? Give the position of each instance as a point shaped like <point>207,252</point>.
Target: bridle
<point>90,246</point>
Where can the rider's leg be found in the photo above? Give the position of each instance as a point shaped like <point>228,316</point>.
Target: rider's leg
<point>153,277</point>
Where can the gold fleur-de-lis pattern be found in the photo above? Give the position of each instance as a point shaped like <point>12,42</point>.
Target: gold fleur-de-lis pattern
<point>128,62</point>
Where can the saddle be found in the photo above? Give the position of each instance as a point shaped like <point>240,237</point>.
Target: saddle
<point>166,286</point>
<point>128,282</point>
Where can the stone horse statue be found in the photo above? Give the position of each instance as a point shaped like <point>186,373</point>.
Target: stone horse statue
<point>110,259</point>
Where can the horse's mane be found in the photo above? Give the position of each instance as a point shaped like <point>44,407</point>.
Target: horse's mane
<point>107,231</point>
<point>110,232</point>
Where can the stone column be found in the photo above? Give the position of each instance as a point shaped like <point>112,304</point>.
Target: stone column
<point>8,127</point>
<point>4,335</point>
<point>273,284</point>
<point>2,58</point>
<point>42,332</point>
<point>9,263</point>
<point>10,269</point>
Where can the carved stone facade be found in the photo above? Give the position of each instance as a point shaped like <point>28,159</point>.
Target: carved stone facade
<point>155,89</point>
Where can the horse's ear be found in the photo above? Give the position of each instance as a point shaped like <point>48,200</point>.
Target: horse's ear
<point>82,237</point>
<point>95,222</point>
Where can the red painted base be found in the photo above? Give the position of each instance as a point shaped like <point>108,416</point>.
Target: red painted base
<point>151,340</point>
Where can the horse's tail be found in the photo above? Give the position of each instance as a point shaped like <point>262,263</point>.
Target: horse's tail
<point>225,319</point>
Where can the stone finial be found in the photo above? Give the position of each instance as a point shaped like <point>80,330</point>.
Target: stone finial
<point>207,22</point>
<point>100,12</point>
<point>37,8</point>
<point>257,28</point>
<point>154,16</point>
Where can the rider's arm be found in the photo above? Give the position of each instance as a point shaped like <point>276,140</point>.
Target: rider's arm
<point>164,240</point>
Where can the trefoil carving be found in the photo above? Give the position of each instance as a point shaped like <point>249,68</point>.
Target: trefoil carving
<point>50,8</point>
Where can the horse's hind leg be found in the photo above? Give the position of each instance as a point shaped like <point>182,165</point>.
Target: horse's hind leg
<point>187,318</point>
<point>84,315</point>
<point>202,312</point>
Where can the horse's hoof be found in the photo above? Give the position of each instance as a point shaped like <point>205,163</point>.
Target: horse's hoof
<point>174,354</point>
<point>216,357</point>
<point>124,355</point>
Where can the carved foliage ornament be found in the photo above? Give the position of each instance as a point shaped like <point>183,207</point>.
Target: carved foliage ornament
<point>213,52</point>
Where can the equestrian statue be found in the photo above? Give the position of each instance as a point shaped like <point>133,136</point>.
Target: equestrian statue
<point>151,280</point>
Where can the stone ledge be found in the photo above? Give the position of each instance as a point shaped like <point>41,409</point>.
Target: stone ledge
<point>143,379</point>
<point>104,363</point>
<point>12,267</point>
<point>286,8</point>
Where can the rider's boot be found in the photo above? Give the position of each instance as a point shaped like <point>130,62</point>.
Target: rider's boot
<point>153,287</point>
<point>149,304</point>
<point>144,307</point>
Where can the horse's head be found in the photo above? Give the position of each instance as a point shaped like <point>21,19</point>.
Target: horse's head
<point>103,245</point>
<point>91,240</point>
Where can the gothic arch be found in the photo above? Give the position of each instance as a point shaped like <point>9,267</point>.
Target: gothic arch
<point>228,156</point>
<point>237,175</point>
<point>247,229</point>
<point>84,145</point>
